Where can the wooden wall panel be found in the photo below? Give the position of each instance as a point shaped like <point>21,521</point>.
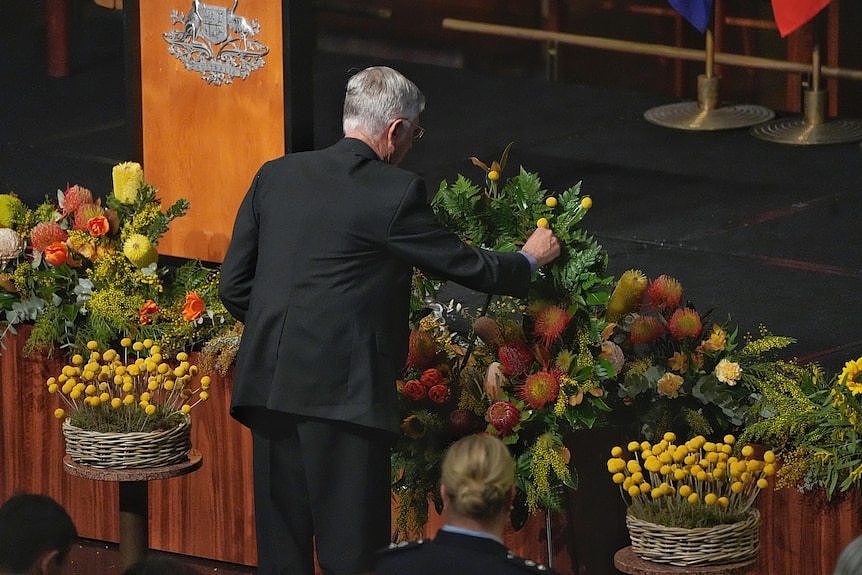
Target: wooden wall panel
<point>204,142</point>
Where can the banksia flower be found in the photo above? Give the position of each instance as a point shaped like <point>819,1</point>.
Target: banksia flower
<point>503,416</point>
<point>627,294</point>
<point>422,350</point>
<point>540,388</point>
<point>646,329</point>
<point>127,177</point>
<point>664,293</point>
<point>463,422</point>
<point>140,250</point>
<point>549,323</point>
<point>488,330</point>
<point>515,357</point>
<point>685,322</point>
<point>75,197</point>
<point>46,233</point>
<point>10,207</point>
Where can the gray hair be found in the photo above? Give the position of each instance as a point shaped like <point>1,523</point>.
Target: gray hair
<point>850,560</point>
<point>376,96</point>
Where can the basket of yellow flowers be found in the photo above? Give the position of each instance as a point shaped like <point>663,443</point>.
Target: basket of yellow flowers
<point>691,503</point>
<point>128,408</point>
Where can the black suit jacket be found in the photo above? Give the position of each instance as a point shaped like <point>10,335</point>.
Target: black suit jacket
<point>455,554</point>
<point>319,270</point>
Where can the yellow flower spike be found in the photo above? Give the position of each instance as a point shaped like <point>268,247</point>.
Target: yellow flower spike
<point>59,413</point>
<point>204,396</point>
<point>542,223</point>
<point>618,478</point>
<point>710,498</point>
<point>616,451</point>
<point>150,409</point>
<point>747,451</point>
<point>586,202</point>
<point>769,457</point>
<point>634,491</point>
<point>633,446</point>
<point>551,202</point>
<point>116,403</point>
<point>693,498</point>
<point>129,399</point>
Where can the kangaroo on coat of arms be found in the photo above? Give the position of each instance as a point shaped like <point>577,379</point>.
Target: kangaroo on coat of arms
<point>216,41</point>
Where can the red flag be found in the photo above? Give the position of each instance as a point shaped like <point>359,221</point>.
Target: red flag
<point>791,14</point>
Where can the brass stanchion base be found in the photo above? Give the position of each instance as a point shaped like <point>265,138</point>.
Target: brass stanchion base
<point>690,116</point>
<point>705,114</point>
<point>800,132</point>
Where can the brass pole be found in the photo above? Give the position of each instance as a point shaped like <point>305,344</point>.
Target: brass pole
<point>646,49</point>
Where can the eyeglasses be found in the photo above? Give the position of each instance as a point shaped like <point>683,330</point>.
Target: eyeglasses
<point>418,131</point>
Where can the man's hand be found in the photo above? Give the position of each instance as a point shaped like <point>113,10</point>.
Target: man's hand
<point>542,245</point>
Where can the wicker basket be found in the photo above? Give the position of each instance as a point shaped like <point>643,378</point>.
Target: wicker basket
<point>128,450</point>
<point>721,544</point>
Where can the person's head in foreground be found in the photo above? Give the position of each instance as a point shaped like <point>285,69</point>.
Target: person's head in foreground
<point>478,483</point>
<point>36,535</point>
<point>381,108</point>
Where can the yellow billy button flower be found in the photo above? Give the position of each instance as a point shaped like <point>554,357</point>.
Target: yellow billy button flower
<point>204,396</point>
<point>186,408</point>
<point>129,399</point>
<point>67,388</point>
<point>150,409</point>
<point>634,446</point>
<point>182,356</point>
<point>652,464</point>
<point>769,469</point>
<point>59,413</point>
<point>729,439</point>
<point>618,478</point>
<point>586,202</point>
<point>116,403</point>
<point>723,502</point>
<point>168,385</point>
<point>75,394</point>
<point>693,498</point>
<point>762,483</point>
<point>684,491</point>
<point>710,498</point>
<point>126,342</point>
<point>205,381</point>
<point>634,491</point>
<point>92,345</point>
<point>52,388</point>
<point>148,343</point>
<point>747,451</point>
<point>77,359</point>
<point>90,389</point>
<point>105,397</point>
<point>542,223</point>
<point>493,175</point>
<point>145,396</point>
<point>551,202</point>
<point>616,451</point>
<point>670,437</point>
<point>769,457</point>
<point>138,346</point>
<point>637,477</point>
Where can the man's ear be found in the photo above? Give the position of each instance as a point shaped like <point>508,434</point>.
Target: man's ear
<point>51,562</point>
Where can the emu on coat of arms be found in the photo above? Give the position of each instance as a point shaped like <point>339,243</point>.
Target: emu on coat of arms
<point>216,41</point>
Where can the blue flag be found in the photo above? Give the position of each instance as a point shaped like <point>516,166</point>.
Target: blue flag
<point>697,12</point>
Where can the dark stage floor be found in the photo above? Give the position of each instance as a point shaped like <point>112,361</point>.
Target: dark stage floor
<point>760,232</point>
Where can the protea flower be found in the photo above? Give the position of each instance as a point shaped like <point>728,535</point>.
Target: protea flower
<point>422,350</point>
<point>627,294</point>
<point>685,322</point>
<point>549,323</point>
<point>540,388</point>
<point>127,177</point>
<point>44,234</point>
<point>10,207</point>
<point>515,357</point>
<point>139,250</point>
<point>75,197</point>
<point>646,329</point>
<point>664,293</point>
<point>503,416</point>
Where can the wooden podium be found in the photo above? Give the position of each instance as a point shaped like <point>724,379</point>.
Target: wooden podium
<point>216,88</point>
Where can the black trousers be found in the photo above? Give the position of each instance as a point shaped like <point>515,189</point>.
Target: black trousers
<point>323,484</point>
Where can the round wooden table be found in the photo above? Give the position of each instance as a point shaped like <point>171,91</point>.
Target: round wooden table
<point>133,498</point>
<point>626,561</point>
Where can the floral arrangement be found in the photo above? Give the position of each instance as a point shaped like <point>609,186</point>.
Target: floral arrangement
<point>528,373</point>
<point>814,423</point>
<point>131,390</point>
<point>679,369</point>
<point>697,483</point>
<point>80,269</point>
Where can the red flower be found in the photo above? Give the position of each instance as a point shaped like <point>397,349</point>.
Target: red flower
<point>685,322</point>
<point>57,253</point>
<point>438,393</point>
<point>664,293</point>
<point>44,234</point>
<point>550,323</point>
<point>646,329</point>
<point>413,389</point>
<point>431,377</point>
<point>98,226</point>
<point>74,197</point>
<point>194,307</point>
<point>540,388</point>
<point>515,357</point>
<point>503,416</point>
<point>147,311</point>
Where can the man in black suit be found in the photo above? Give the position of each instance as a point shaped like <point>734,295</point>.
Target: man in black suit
<point>319,270</point>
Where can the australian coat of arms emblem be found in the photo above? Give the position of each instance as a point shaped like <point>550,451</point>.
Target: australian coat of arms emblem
<point>216,41</point>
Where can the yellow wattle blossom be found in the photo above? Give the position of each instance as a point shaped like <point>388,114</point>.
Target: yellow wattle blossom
<point>128,177</point>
